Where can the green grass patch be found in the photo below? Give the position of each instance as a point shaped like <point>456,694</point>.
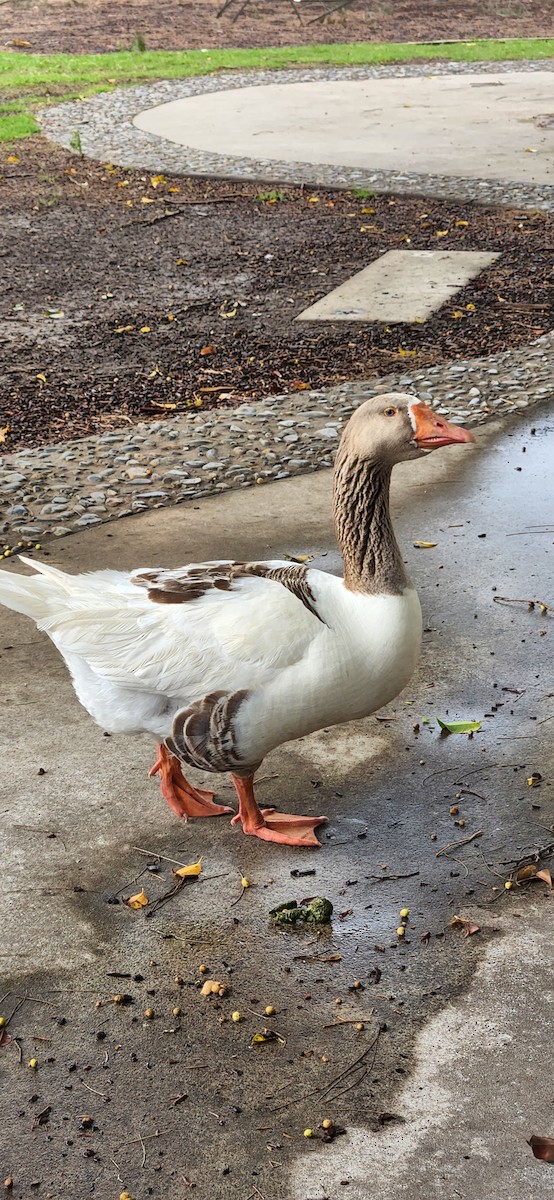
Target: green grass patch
<point>35,80</point>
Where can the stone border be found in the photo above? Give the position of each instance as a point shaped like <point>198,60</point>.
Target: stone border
<point>64,488</point>
<point>104,124</point>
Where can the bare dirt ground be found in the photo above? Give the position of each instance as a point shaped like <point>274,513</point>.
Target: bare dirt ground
<point>93,26</point>
<point>132,296</point>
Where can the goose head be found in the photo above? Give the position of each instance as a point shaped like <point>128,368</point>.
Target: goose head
<point>396,427</point>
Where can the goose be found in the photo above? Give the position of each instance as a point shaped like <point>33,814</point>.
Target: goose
<point>224,661</point>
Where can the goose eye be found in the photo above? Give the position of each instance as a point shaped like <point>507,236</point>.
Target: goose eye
<point>390,412</point>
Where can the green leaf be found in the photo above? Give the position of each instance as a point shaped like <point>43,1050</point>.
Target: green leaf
<point>459,726</point>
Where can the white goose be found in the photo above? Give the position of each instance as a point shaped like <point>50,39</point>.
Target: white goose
<point>223,661</point>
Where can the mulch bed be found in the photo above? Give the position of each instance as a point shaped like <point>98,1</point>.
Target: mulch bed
<point>92,26</point>
<point>114,309</point>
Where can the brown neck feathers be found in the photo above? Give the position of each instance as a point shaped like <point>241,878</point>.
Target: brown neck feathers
<point>372,559</point>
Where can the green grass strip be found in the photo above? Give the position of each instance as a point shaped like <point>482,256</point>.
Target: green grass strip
<point>33,77</point>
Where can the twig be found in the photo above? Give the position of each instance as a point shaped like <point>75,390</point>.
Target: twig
<point>154,854</point>
<point>95,1090</point>
<point>463,842</point>
<point>147,1136</point>
<point>531,604</point>
<point>384,878</point>
<point>348,1021</point>
<point>141,1140</point>
<point>116,1165</point>
<point>337,1079</point>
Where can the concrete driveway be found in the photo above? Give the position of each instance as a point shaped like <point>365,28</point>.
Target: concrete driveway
<point>440,1089</point>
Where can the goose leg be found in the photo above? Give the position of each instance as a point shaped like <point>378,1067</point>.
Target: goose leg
<point>185,799</point>
<point>269,825</point>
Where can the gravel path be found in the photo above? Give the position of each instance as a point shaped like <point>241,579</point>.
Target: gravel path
<point>104,124</point>
<point>62,488</point>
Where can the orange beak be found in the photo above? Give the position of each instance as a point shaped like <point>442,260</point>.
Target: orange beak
<point>432,431</point>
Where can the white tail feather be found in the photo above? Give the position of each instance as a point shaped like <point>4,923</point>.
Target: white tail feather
<point>31,594</point>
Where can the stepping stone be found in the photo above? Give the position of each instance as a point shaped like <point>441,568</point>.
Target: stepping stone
<point>401,285</point>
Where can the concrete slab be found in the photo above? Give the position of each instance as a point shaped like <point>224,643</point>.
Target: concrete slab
<point>401,285</point>
<point>189,1082</point>
<point>485,126</point>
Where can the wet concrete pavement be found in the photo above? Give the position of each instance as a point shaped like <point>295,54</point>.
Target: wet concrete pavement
<point>455,1042</point>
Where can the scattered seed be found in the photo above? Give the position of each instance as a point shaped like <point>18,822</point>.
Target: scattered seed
<point>400,932</point>
<point>33,1063</point>
<point>404,912</point>
<point>308,1133</point>
<point>148,1013</point>
<point>269,1010</point>
<point>236,1016</point>
<point>176,1011</point>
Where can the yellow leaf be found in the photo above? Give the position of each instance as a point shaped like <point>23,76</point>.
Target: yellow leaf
<point>367,228</point>
<point>470,307</point>
<point>313,200</point>
<point>365,211</point>
<point>140,900</point>
<point>170,317</point>
<point>226,313</point>
<point>147,200</point>
<point>461,224</point>
<point>3,433</point>
<point>442,232</point>
<point>123,183</point>
<point>182,262</point>
<point>124,329</point>
<point>41,377</point>
<point>174,189</point>
<point>192,869</point>
<point>145,329</point>
<point>425,545</point>
<point>457,314</point>
<point>156,180</point>
<point>528,150</point>
<point>19,42</point>
<point>405,353</point>
<point>12,158</point>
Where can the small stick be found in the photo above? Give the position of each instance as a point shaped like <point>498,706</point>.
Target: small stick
<point>154,854</point>
<point>463,842</point>
<point>530,603</point>
<point>91,1089</point>
<point>141,1140</point>
<point>347,1021</point>
<point>384,878</point>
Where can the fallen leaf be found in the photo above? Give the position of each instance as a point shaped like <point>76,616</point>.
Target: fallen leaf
<point>146,329</point>
<point>469,927</point>
<point>139,900</point>
<point>403,353</point>
<point>545,876</point>
<point>41,377</point>
<point>191,869</point>
<point>457,314</point>
<point>5,1037</point>
<point>182,262</point>
<point>267,1035</point>
<point>299,386</point>
<point>442,233</point>
<point>12,158</point>
<point>542,1147</point>
<point>147,200</point>
<point>207,350</point>
<point>425,545</point>
<point>461,224</point>
<point>228,313</point>
<point>526,873</point>
<point>368,210</point>
<point>459,726</point>
<point>4,433</point>
<point>534,779</point>
<point>124,329</point>
<point>470,307</point>
<point>156,180</point>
